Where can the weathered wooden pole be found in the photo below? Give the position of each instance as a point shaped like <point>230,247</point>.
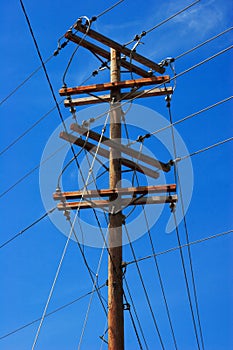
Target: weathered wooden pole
<point>115,288</point>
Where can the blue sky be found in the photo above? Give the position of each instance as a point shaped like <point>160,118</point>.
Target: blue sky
<point>29,263</point>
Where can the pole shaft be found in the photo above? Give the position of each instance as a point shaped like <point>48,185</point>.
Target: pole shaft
<point>115,288</point>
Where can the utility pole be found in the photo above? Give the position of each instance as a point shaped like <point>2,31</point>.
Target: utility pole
<point>115,287</point>
<point>115,202</point>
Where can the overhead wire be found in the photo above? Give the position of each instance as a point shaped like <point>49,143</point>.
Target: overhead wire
<point>203,43</point>
<point>60,46</point>
<point>66,247</point>
<point>144,289</point>
<point>51,312</point>
<point>153,251</point>
<point>203,149</point>
<point>136,314</point>
<point>28,227</point>
<point>182,246</point>
<point>178,182</point>
<point>171,79</point>
<point>91,297</point>
<point>126,102</point>
<point>143,33</point>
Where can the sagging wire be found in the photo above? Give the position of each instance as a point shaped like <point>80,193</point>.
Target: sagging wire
<point>88,24</point>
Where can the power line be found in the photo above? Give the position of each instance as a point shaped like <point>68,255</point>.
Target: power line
<point>72,231</point>
<point>203,149</point>
<point>108,9</point>
<point>136,314</point>
<point>39,120</point>
<point>93,74</point>
<point>51,313</point>
<point>144,289</point>
<point>177,178</point>
<point>143,33</point>
<point>203,43</point>
<point>103,114</point>
<point>153,250</point>
<point>50,57</point>
<point>91,296</point>
<point>205,109</point>
<point>28,227</point>
<point>171,79</point>
<point>25,81</point>
<point>192,115</point>
<point>170,250</point>
<point>28,130</point>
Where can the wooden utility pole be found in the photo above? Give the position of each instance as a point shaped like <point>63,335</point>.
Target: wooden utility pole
<point>115,288</point>
<point>115,192</point>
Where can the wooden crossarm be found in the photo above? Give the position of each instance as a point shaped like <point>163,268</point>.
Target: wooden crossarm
<point>119,191</point>
<point>105,54</point>
<point>124,96</point>
<point>90,147</point>
<point>122,203</point>
<point>109,86</point>
<point>120,48</point>
<point>129,151</point>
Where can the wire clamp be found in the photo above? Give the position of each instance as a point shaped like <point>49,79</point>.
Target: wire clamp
<point>172,207</point>
<point>126,306</point>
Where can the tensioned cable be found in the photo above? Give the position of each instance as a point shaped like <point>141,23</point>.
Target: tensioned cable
<point>170,250</point>
<point>171,79</point>
<point>28,130</point>
<point>178,182</point>
<point>153,251</point>
<point>92,75</point>
<point>50,313</point>
<point>136,314</point>
<point>66,245</point>
<point>91,297</point>
<point>49,58</point>
<point>47,76</point>
<point>25,80</point>
<point>37,167</point>
<point>143,33</point>
<point>28,227</point>
<point>204,149</point>
<point>103,114</point>
<point>181,120</point>
<point>109,9</point>
<point>76,49</point>
<point>144,289</point>
<point>203,43</point>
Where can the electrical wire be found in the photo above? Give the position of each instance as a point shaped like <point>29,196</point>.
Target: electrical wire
<point>144,289</point>
<point>60,47</point>
<point>67,243</point>
<point>51,313</point>
<point>28,227</point>
<point>203,43</point>
<point>171,79</point>
<point>91,297</point>
<point>25,81</point>
<point>47,76</point>
<point>76,49</point>
<point>178,182</point>
<point>143,33</point>
<point>28,130</point>
<point>189,51</point>
<point>136,314</point>
<point>109,9</point>
<point>153,251</point>
<point>203,150</point>
<point>205,109</point>
<point>170,250</point>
